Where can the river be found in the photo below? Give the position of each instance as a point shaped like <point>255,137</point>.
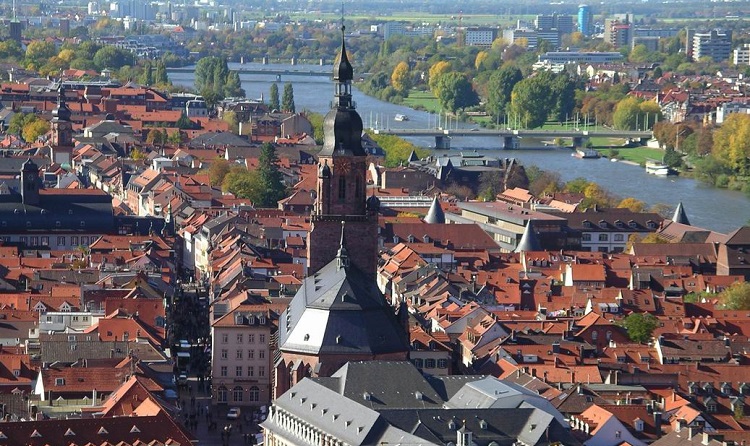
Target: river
<point>711,208</point>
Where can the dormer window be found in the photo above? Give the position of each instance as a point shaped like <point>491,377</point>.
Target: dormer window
<point>603,224</point>
<point>632,224</point>
<point>651,224</point>
<point>59,381</point>
<point>586,224</point>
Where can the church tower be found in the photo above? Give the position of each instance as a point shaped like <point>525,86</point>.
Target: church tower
<point>62,128</point>
<point>341,186</point>
<point>339,314</point>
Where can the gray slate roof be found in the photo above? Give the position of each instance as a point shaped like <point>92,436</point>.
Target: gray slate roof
<point>528,241</point>
<point>680,216</point>
<point>435,215</point>
<point>339,310</point>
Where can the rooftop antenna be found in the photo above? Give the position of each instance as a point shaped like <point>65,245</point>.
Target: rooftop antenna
<point>14,10</point>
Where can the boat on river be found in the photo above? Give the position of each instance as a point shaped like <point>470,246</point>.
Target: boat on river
<point>658,168</point>
<point>400,118</point>
<point>587,154</point>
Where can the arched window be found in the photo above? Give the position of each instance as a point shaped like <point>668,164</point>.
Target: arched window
<point>237,394</point>
<point>221,395</point>
<point>342,188</point>
<point>254,394</point>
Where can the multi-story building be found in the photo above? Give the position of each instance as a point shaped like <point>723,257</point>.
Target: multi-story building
<point>578,57</point>
<point>585,20</point>
<point>242,355</point>
<point>618,32</point>
<point>607,230</point>
<point>526,38</point>
<point>741,55</point>
<point>714,44</point>
<point>506,224</point>
<point>481,37</point>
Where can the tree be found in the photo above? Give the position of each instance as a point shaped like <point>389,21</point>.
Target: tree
<point>640,326</point>
<point>626,114</point>
<point>401,78</point>
<point>155,137</point>
<point>240,182</point>
<point>530,102</point>
<point>233,85</point>
<point>499,88</point>
<point>218,169</point>
<point>479,60</point>
<point>490,184</point>
<point>736,296</point>
<point>215,81</point>
<point>274,104</point>
<point>287,100</point>
<point>455,92</point>
<point>437,70</point>
<point>184,123</point>
<point>10,49</point>
<point>230,118</point>
<point>731,145</point>
<point>270,178</point>
<point>35,129</point>
<point>632,204</point>
<point>38,52</point>
<point>111,57</point>
<point>146,77</point>
<point>19,121</point>
<point>563,92</point>
<point>160,77</point>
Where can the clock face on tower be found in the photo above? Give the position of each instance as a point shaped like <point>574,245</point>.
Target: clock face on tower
<point>343,166</point>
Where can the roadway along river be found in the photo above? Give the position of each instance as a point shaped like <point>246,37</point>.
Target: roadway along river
<point>710,208</point>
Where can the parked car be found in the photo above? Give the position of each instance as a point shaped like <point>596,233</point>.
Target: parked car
<point>234,413</point>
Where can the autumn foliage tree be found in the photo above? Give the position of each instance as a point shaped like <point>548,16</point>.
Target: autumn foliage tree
<point>401,78</point>
<point>437,70</point>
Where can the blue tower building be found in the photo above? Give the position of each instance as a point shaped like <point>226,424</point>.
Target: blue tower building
<point>585,21</point>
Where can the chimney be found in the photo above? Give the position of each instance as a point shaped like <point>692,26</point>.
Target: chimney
<point>691,432</point>
<point>657,423</point>
<point>572,377</point>
<point>706,438</point>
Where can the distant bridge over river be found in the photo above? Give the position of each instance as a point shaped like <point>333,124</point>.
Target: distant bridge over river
<point>272,71</point>
<point>509,137</point>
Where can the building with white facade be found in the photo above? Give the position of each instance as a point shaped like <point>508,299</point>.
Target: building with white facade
<point>715,45</point>
<point>741,55</point>
<point>481,37</point>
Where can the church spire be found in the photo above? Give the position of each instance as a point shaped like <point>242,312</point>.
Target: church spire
<point>680,216</point>
<point>342,126</point>
<point>435,215</point>
<point>528,240</point>
<point>342,256</point>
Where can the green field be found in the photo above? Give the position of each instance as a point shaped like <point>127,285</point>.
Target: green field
<point>423,100</point>
<point>635,154</point>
